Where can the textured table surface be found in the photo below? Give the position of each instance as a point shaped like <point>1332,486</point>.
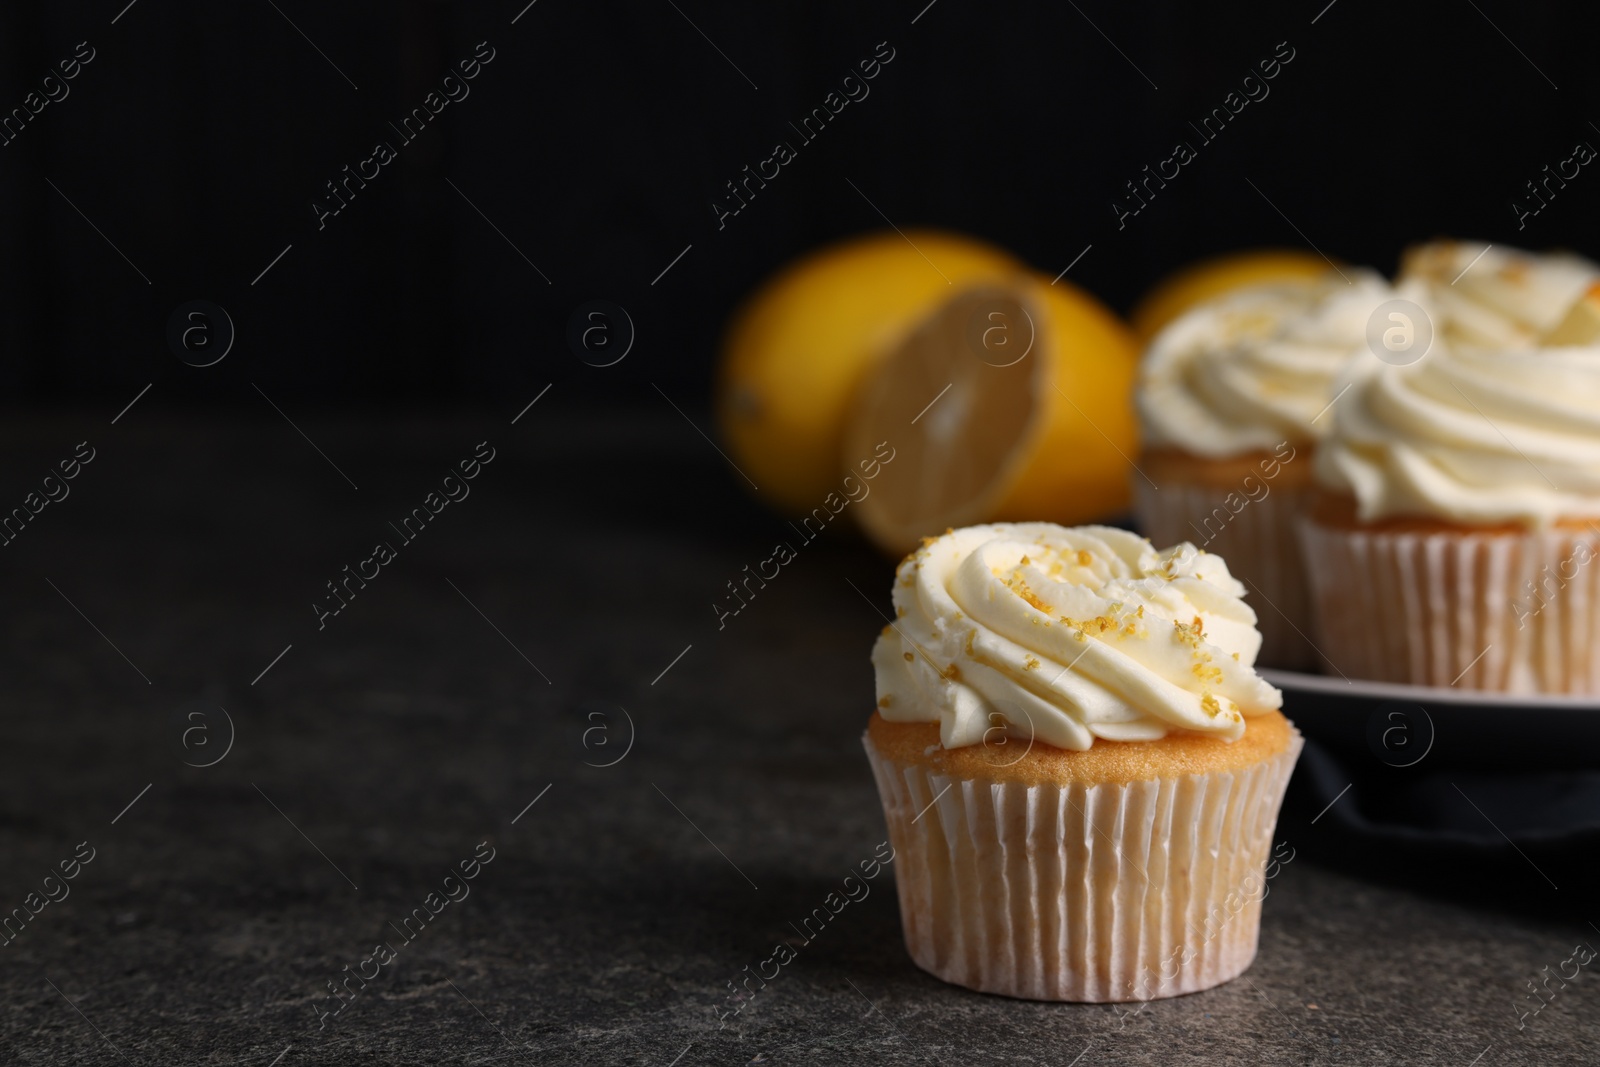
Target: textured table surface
<point>566,602</point>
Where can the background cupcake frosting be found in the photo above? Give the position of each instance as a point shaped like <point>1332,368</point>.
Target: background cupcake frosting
<point>1253,369</point>
<point>1069,636</point>
<point>1471,435</point>
<point>1493,296</point>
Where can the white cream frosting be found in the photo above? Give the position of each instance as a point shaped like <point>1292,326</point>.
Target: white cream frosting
<point>1251,369</point>
<point>1494,296</point>
<point>1471,435</point>
<point>1067,635</point>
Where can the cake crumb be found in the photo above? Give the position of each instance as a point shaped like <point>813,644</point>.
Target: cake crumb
<point>908,656</point>
<point>1028,595</point>
<point>1190,634</point>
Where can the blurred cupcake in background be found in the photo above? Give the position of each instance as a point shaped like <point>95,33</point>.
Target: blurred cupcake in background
<point>1232,397</point>
<point>1456,537</point>
<point>1496,297</point>
<point>1079,765</point>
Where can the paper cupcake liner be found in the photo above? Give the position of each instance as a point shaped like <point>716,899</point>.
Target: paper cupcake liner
<point>1100,893</point>
<point>1510,612</point>
<point>1260,546</point>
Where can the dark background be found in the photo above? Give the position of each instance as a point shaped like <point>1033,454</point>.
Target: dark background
<point>596,140</point>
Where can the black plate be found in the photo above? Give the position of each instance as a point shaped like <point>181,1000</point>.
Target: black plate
<point>1403,726</point>
<point>1460,792</point>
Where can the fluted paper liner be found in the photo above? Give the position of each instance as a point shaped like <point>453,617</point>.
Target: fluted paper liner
<point>1515,612</point>
<point>1261,548</point>
<point>1100,893</point>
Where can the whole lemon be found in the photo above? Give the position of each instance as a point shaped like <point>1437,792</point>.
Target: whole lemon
<point>796,351</point>
<point>1210,278</point>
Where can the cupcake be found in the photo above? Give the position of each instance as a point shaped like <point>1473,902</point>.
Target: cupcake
<point>1232,397</point>
<point>1460,518</point>
<point>1495,297</point>
<point>1079,766</point>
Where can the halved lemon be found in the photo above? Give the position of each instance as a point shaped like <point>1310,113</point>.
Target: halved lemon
<point>795,353</point>
<point>1212,277</point>
<point>1012,400</point>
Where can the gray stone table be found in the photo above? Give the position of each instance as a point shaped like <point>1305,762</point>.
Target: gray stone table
<point>559,614</point>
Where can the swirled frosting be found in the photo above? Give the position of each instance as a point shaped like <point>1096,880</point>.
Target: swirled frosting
<point>1492,296</point>
<point>1470,435</point>
<point>1067,635</point>
<point>1252,369</point>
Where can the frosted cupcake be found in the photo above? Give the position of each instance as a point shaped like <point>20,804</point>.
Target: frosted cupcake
<point>1456,540</point>
<point>1232,398</point>
<point>1495,297</point>
<point>1079,766</point>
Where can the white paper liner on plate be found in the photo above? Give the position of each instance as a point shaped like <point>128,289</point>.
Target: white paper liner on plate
<point>1261,549</point>
<point>1509,612</point>
<point>1099,893</point>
